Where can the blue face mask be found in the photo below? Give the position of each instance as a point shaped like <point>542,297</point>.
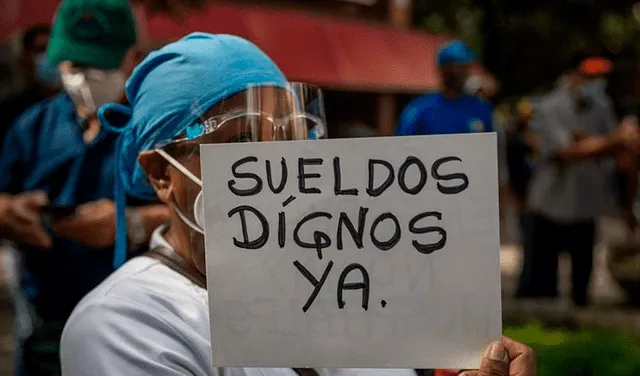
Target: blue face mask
<point>594,89</point>
<point>46,73</point>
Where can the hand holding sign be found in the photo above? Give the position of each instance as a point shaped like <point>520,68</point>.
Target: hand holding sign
<point>506,358</point>
<point>343,253</point>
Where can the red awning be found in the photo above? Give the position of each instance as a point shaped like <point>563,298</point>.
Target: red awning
<point>19,14</point>
<point>340,54</point>
<point>335,53</point>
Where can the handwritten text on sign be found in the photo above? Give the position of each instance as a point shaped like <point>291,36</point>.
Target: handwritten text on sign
<point>353,253</point>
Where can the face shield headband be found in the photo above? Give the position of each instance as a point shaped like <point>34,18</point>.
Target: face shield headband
<point>259,114</point>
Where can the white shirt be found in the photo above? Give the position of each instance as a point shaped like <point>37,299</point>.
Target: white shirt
<point>146,319</point>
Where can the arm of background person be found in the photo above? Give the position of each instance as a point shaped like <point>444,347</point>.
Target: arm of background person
<point>631,172</point>
<point>5,205</point>
<point>153,216</point>
<point>628,164</point>
<point>20,218</point>
<point>503,169</point>
<point>409,122</point>
<point>94,223</point>
<point>12,150</point>
<point>489,119</point>
<point>557,142</point>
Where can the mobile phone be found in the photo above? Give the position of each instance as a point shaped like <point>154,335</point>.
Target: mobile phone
<point>58,211</point>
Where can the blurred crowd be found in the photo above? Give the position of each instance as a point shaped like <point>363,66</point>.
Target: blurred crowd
<point>83,180</point>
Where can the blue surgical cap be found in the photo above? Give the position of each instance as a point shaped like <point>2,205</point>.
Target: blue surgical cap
<point>455,52</point>
<point>169,91</point>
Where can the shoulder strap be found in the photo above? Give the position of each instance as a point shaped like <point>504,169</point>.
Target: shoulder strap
<point>305,371</point>
<point>177,263</point>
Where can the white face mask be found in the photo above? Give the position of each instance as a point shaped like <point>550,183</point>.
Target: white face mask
<point>198,207</point>
<point>91,88</point>
<point>472,85</point>
<point>198,210</point>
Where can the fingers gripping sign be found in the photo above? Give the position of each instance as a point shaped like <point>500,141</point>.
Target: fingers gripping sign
<point>506,358</point>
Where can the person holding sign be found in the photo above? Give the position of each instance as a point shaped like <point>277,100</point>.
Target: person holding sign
<point>151,317</point>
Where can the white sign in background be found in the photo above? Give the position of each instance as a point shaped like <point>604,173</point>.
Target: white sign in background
<point>345,274</point>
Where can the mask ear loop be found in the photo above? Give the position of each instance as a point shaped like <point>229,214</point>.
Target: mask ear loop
<point>121,244</point>
<point>191,176</point>
<point>179,166</point>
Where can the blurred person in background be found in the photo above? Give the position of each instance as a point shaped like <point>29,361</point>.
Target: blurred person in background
<point>58,169</point>
<point>151,317</point>
<point>453,110</point>
<point>355,126</point>
<point>571,184</point>
<point>358,128</point>
<point>8,72</point>
<point>41,78</point>
<point>521,149</point>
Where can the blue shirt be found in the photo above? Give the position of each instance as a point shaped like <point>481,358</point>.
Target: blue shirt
<point>433,113</point>
<point>44,150</point>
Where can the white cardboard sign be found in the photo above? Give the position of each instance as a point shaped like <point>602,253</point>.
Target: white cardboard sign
<point>366,253</point>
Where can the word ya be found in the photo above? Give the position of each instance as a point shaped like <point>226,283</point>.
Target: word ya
<point>458,182</point>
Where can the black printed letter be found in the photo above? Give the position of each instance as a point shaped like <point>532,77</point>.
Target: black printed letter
<point>403,170</point>
<point>240,175</point>
<point>282,229</point>
<point>302,176</point>
<point>283,177</point>
<point>364,285</point>
<point>317,285</point>
<point>320,239</point>
<point>387,183</point>
<point>337,181</point>
<point>385,246</point>
<point>428,248</point>
<point>355,235</point>
<point>260,241</point>
<point>449,190</point>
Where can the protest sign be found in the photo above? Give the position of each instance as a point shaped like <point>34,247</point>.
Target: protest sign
<point>353,253</point>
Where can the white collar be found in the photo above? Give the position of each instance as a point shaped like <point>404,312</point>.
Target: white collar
<point>157,238</point>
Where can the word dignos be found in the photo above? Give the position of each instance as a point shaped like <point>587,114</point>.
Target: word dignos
<point>355,232</point>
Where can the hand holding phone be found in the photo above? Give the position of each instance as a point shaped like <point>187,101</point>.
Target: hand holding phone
<point>57,211</point>
<point>23,222</point>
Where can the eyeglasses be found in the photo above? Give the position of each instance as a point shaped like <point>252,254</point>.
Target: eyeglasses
<point>259,126</point>
<point>243,126</point>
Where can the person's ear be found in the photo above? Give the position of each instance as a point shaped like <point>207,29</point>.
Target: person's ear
<point>157,170</point>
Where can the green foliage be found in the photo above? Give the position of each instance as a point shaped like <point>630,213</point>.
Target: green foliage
<point>526,44</point>
<point>592,352</point>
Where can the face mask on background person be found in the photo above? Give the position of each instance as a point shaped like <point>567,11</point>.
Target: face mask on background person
<point>472,85</point>
<point>595,88</point>
<point>46,73</point>
<point>92,88</point>
<point>455,81</point>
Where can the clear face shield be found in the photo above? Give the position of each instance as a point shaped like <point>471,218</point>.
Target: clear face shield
<point>258,114</point>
